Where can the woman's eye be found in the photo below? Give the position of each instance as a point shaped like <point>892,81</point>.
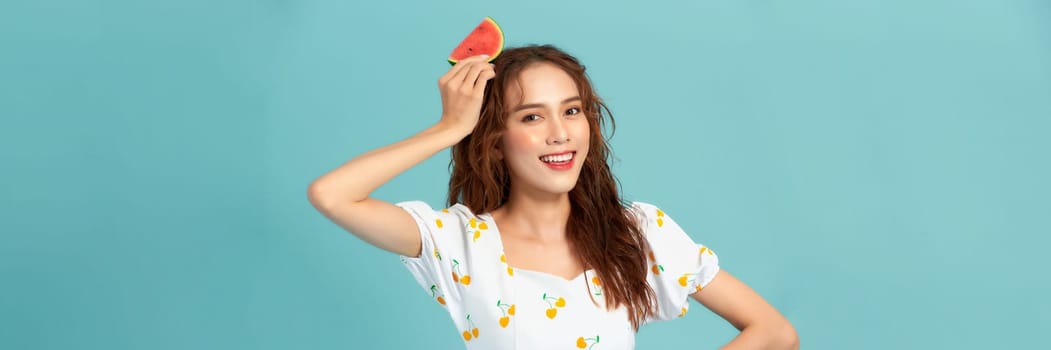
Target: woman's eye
<point>530,118</point>
<point>573,111</point>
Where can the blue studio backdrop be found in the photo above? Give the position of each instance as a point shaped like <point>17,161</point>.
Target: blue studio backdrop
<point>876,169</point>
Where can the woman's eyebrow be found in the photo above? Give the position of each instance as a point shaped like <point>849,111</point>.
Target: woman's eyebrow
<point>538,105</point>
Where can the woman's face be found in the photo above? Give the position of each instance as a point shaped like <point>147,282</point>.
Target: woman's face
<point>547,135</point>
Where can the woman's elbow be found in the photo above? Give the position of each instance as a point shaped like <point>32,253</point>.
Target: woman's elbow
<point>787,338</point>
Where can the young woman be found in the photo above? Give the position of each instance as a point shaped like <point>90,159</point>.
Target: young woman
<point>537,250</point>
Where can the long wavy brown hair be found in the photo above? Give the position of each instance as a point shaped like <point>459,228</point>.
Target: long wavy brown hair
<point>603,232</point>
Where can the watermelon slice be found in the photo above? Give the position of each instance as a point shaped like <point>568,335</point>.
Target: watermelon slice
<point>485,39</point>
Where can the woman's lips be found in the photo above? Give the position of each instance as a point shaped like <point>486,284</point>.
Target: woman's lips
<point>559,161</point>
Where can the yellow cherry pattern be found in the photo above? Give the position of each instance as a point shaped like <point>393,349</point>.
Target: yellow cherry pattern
<point>472,330</point>
<point>438,222</point>
<point>686,278</point>
<point>465,279</point>
<point>660,218</point>
<point>702,251</point>
<point>478,226</point>
<point>508,310</point>
<point>706,250</point>
<point>656,268</point>
<point>510,271</point>
<point>683,312</point>
<point>553,303</point>
<point>437,295</point>
<point>597,284</point>
<point>587,343</point>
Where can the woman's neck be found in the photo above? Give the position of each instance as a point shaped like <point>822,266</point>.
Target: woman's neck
<point>536,217</point>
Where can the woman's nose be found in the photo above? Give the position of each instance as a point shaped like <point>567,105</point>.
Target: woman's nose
<point>558,134</point>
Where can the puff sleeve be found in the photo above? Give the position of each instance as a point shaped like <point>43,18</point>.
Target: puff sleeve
<point>679,266</point>
<point>439,238</point>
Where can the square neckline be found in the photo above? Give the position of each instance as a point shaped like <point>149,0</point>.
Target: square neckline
<point>500,243</point>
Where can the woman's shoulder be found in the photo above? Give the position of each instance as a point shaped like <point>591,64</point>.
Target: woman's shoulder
<point>644,211</point>
<point>424,207</point>
<point>651,218</point>
<point>443,218</point>
<point>645,206</point>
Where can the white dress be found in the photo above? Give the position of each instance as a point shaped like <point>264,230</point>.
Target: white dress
<point>497,306</point>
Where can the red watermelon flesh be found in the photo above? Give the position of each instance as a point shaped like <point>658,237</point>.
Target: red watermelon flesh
<point>485,39</point>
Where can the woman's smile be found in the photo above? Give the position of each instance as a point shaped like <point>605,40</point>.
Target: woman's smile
<point>559,161</point>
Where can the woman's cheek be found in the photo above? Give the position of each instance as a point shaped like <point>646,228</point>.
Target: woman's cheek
<point>523,142</point>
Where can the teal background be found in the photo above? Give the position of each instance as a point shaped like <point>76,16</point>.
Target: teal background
<point>876,169</point>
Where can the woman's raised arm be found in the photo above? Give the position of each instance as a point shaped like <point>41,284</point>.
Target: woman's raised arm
<point>342,194</point>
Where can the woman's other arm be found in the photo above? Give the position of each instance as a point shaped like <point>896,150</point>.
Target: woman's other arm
<point>761,326</point>
<point>342,194</point>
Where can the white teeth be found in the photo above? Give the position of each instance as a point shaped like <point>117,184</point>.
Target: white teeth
<point>557,159</point>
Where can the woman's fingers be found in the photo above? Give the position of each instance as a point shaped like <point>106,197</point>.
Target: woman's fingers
<point>462,88</point>
<point>471,71</point>
<point>487,72</point>
<point>471,76</point>
<point>455,74</point>
<point>451,75</point>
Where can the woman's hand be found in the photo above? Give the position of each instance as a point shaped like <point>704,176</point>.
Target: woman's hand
<point>462,88</point>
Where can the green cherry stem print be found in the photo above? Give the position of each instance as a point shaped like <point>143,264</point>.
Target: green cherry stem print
<point>434,292</point>
<point>552,311</point>
<point>472,330</point>
<point>466,279</point>
<point>585,342</point>
<point>508,310</point>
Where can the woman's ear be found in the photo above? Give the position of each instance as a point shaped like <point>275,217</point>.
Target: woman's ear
<point>499,152</point>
